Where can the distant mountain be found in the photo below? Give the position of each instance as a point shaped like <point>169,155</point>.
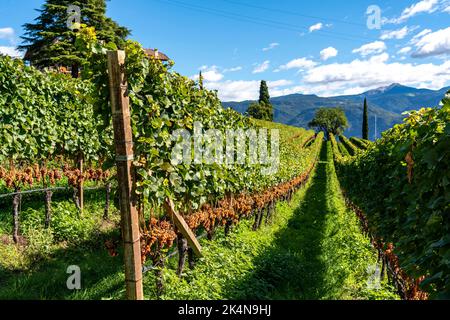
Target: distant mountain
<point>386,104</point>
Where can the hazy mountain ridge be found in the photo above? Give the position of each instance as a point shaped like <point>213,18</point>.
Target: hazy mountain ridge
<point>386,103</point>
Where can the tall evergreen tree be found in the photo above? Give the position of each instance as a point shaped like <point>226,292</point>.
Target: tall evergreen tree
<point>264,96</point>
<point>266,107</point>
<point>365,126</point>
<point>50,42</point>
<point>200,80</point>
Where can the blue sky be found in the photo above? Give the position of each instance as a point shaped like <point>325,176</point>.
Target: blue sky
<point>312,47</point>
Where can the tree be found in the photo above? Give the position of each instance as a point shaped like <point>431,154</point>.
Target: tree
<point>264,96</point>
<point>49,41</point>
<point>264,101</point>
<point>365,126</point>
<point>263,108</point>
<point>330,120</point>
<point>200,80</point>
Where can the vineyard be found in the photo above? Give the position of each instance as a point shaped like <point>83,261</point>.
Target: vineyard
<point>299,217</point>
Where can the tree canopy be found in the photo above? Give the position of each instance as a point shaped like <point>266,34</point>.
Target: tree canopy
<point>50,42</point>
<point>330,120</point>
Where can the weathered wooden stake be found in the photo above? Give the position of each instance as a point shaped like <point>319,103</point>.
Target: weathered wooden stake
<point>182,227</point>
<point>81,184</point>
<point>124,160</point>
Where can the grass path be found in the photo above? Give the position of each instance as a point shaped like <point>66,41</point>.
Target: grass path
<point>313,250</point>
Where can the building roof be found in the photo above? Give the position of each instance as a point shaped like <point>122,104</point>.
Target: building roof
<point>155,54</point>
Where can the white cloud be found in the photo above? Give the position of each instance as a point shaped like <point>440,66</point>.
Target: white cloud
<point>433,44</point>
<point>271,46</point>
<point>328,53</point>
<point>404,50</point>
<point>447,9</point>
<point>209,73</point>
<point>11,51</point>
<point>353,77</point>
<point>7,33</point>
<point>245,90</point>
<point>234,69</point>
<point>316,27</point>
<point>395,34</point>
<point>360,75</point>
<point>417,37</point>
<point>260,68</point>
<point>301,63</point>
<point>424,6</point>
<point>371,48</point>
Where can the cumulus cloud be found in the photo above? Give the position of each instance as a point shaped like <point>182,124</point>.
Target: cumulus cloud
<point>316,27</point>
<point>260,68</point>
<point>271,46</point>
<point>242,90</point>
<point>300,63</point>
<point>359,75</point>
<point>433,44</point>
<point>371,48</point>
<point>209,73</point>
<point>334,79</point>
<point>417,37</point>
<point>234,69</point>
<point>424,6</point>
<point>404,50</point>
<point>7,33</point>
<point>328,53</point>
<point>396,34</point>
<point>11,51</point>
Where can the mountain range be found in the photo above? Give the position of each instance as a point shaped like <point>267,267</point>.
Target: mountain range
<point>386,106</point>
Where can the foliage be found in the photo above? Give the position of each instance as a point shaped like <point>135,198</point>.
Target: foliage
<point>44,115</point>
<point>330,120</point>
<point>402,184</point>
<point>365,125</point>
<point>351,148</point>
<point>263,109</point>
<point>50,42</point>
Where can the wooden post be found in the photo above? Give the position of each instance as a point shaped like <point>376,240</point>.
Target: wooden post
<point>81,184</point>
<point>124,158</point>
<point>182,227</point>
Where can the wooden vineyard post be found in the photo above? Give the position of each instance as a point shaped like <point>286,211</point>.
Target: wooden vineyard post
<point>182,227</point>
<point>124,160</point>
<point>81,184</point>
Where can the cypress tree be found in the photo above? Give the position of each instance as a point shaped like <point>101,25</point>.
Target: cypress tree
<point>49,42</point>
<point>264,102</point>
<point>200,80</point>
<point>264,96</point>
<point>365,126</point>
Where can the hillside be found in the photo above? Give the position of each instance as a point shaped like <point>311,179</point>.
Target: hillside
<point>386,103</point>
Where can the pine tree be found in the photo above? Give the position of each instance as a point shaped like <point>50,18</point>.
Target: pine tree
<point>49,42</point>
<point>365,126</point>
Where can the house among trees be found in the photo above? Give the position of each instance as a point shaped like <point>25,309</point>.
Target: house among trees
<point>151,53</point>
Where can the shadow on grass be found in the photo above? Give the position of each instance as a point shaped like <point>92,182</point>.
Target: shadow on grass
<point>47,279</point>
<point>292,268</point>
